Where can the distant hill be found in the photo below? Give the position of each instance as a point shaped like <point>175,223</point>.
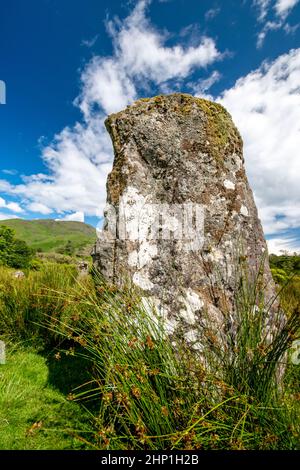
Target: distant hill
<point>48,235</point>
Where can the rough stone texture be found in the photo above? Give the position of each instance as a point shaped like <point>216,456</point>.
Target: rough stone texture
<point>180,149</point>
<point>2,352</point>
<point>83,268</point>
<point>18,275</point>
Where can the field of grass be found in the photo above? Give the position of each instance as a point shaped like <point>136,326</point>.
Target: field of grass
<point>102,358</point>
<point>286,273</point>
<point>50,235</point>
<point>34,413</point>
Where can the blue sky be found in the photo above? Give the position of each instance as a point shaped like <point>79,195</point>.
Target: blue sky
<point>67,64</point>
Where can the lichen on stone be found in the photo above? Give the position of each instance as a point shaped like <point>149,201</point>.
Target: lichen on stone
<point>172,150</point>
<point>223,137</point>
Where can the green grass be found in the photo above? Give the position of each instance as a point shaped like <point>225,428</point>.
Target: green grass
<point>24,303</point>
<point>50,235</point>
<point>155,394</point>
<point>286,273</point>
<point>33,413</point>
<point>135,387</point>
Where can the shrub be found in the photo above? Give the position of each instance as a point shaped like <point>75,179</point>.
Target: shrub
<point>13,252</point>
<point>289,264</point>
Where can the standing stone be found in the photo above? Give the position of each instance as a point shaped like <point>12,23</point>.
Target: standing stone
<point>181,218</point>
<point>2,352</point>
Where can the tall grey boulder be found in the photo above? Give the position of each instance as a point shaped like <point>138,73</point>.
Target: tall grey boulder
<point>181,221</point>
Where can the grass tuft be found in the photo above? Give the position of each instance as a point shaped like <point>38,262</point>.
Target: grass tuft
<point>104,355</point>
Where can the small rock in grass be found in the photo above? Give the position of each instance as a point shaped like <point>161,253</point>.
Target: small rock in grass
<point>2,352</point>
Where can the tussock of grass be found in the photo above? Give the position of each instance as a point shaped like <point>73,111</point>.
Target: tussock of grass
<point>25,302</point>
<point>155,394</point>
<point>144,390</point>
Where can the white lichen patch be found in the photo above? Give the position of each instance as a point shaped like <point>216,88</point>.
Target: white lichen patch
<point>133,259</point>
<point>229,184</point>
<point>191,337</point>
<point>170,325</point>
<point>171,223</point>
<point>153,306</point>
<point>192,303</point>
<point>244,211</point>
<point>215,255</point>
<point>142,280</point>
<point>135,215</point>
<point>143,256</point>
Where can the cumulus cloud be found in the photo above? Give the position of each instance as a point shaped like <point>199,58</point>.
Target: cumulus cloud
<point>265,104</point>
<point>39,208</point>
<point>11,206</point>
<point>140,58</point>
<point>14,207</point>
<point>74,217</point>
<point>79,158</point>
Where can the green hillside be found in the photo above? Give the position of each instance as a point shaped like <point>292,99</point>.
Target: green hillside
<point>52,236</point>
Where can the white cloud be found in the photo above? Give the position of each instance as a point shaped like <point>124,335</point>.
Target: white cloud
<point>10,172</point>
<point>291,29</point>
<point>269,26</point>
<point>38,207</point>
<point>279,10</point>
<point>4,216</point>
<point>80,157</point>
<point>90,42</point>
<point>202,86</point>
<point>262,8</point>
<point>12,206</point>
<point>74,217</point>
<point>283,7</point>
<point>140,57</point>
<point>265,105</point>
<point>212,13</point>
<point>288,245</point>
